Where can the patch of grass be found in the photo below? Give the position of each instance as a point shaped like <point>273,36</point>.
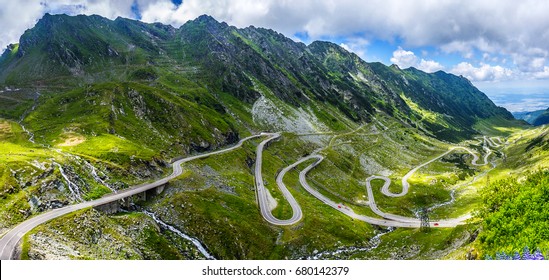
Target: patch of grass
<point>112,148</point>
<point>96,192</point>
<point>416,244</point>
<point>92,235</point>
<point>25,247</point>
<point>426,115</point>
<point>498,126</point>
<point>515,214</point>
<point>162,247</point>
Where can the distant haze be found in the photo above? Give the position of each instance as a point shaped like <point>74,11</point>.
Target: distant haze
<point>518,96</point>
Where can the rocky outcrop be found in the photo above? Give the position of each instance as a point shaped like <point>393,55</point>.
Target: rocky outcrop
<point>93,235</point>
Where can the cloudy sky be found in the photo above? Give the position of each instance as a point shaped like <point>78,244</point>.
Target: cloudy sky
<point>500,45</point>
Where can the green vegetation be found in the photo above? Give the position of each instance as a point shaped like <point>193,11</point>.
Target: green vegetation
<point>426,115</point>
<point>217,205</point>
<point>126,98</point>
<point>86,234</point>
<point>498,126</point>
<point>414,244</point>
<point>515,214</point>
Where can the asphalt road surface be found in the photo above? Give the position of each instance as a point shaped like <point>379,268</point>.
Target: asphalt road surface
<point>391,219</point>
<point>9,241</point>
<point>261,192</point>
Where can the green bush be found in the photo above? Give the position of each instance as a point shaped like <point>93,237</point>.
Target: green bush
<point>516,215</point>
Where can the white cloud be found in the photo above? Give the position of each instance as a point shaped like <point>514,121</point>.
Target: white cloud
<point>346,47</point>
<point>13,22</point>
<point>236,12</point>
<point>107,8</point>
<point>405,59</point>
<point>530,62</point>
<point>357,46</point>
<point>484,72</point>
<point>544,74</point>
<point>162,11</point>
<point>429,66</point>
<point>516,30</point>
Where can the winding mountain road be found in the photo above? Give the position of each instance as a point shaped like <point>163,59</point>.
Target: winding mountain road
<point>9,241</point>
<point>492,143</point>
<point>261,192</point>
<point>388,219</point>
<point>338,206</point>
<point>405,185</point>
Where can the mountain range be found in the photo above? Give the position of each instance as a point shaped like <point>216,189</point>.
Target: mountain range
<point>101,105</point>
<point>211,59</point>
<point>535,118</point>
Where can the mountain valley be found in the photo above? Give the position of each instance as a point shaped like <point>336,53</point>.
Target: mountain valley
<point>92,107</point>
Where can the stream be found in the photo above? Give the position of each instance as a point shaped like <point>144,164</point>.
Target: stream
<point>195,241</point>
<point>75,190</point>
<point>92,169</point>
<point>374,243</point>
<point>25,114</point>
<point>96,177</point>
<point>452,200</point>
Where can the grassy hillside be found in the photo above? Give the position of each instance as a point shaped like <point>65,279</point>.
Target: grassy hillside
<point>515,215</point>
<point>512,213</point>
<point>91,106</point>
<point>514,208</point>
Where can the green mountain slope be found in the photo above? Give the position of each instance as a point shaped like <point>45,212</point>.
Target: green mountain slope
<point>529,117</point>
<point>103,105</point>
<point>514,208</point>
<point>542,119</point>
<point>227,60</point>
<point>440,103</point>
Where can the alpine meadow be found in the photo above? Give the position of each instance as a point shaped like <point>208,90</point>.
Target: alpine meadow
<point>121,139</point>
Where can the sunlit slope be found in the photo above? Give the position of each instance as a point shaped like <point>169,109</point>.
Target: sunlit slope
<point>92,106</point>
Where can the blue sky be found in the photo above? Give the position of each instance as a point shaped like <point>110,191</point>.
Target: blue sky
<point>502,46</point>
